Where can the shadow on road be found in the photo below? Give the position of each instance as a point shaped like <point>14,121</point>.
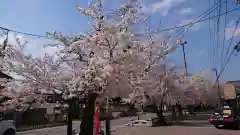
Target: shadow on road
<point>193,124</point>
<point>199,120</point>
<point>199,117</point>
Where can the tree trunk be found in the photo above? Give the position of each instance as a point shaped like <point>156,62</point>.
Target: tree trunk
<point>159,112</point>
<point>86,126</point>
<point>69,117</point>
<point>174,115</point>
<point>108,119</point>
<point>179,108</point>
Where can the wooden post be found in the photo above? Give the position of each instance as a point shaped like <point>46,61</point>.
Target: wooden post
<point>108,122</point>
<point>69,117</point>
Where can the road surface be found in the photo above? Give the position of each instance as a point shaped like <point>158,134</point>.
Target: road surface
<point>173,130</point>
<point>197,125</point>
<point>61,130</point>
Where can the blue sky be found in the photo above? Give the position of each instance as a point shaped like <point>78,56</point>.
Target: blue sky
<point>40,16</point>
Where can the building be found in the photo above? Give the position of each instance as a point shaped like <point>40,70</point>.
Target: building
<point>236,85</point>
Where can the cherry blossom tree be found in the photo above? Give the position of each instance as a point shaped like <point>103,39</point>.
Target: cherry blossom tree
<point>88,65</point>
<point>18,97</point>
<point>32,76</point>
<point>112,51</point>
<point>155,88</point>
<point>163,84</point>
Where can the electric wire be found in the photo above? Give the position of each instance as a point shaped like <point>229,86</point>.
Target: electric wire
<point>217,33</point>
<point>162,30</point>
<point>207,12</point>
<point>210,35</point>
<point>230,43</point>
<point>224,35</point>
<point>226,60</point>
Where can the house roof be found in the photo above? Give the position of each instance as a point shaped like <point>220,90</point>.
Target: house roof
<point>234,83</point>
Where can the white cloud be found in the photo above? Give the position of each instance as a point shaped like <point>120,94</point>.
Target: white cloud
<point>230,30</point>
<point>201,52</point>
<point>193,27</point>
<point>185,11</point>
<point>12,38</point>
<point>165,5</point>
<point>33,47</point>
<point>145,9</point>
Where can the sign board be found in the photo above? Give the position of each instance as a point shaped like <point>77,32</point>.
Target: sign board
<point>227,112</point>
<point>229,91</point>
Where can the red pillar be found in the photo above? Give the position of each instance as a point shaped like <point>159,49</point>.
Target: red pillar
<point>97,119</point>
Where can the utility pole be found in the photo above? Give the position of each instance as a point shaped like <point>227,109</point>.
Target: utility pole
<point>182,43</point>
<point>217,81</point>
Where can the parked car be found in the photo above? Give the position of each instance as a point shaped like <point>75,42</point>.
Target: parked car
<point>7,127</point>
<point>224,118</point>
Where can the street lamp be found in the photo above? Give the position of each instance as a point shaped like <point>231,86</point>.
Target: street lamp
<point>182,43</point>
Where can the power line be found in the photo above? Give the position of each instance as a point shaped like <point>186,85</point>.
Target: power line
<point>224,66</point>
<point>208,13</point>
<point>231,53</point>
<point>24,33</point>
<point>218,29</point>
<point>228,49</point>
<point>210,35</point>
<point>176,27</point>
<point>214,40</point>
<point>224,35</point>
<point>166,29</point>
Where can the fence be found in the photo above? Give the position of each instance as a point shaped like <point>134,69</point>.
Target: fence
<point>35,118</point>
<point>49,120</point>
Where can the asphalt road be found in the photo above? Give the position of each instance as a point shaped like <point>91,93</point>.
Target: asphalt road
<point>61,130</point>
<point>173,130</point>
<point>194,125</point>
